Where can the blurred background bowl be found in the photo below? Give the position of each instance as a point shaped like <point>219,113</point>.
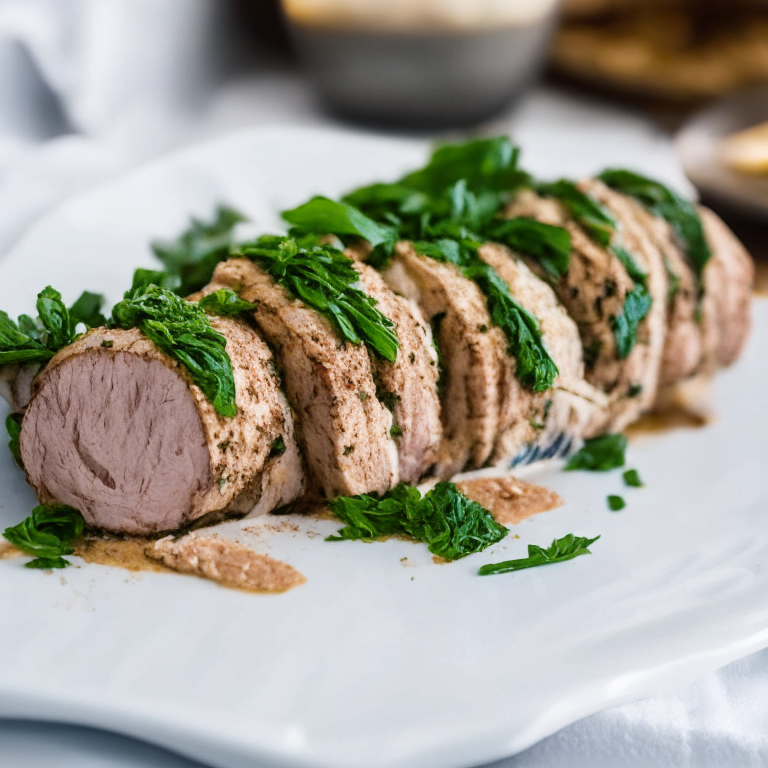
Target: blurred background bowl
<point>421,63</point>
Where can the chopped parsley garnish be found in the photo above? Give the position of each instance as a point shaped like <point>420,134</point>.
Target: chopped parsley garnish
<point>13,428</point>
<point>549,245</point>
<point>637,304</point>
<point>326,280</point>
<point>559,551</point>
<point>662,202</point>
<point>321,216</point>
<point>47,535</point>
<point>591,216</point>
<point>535,368</point>
<point>183,331</point>
<point>632,479</point>
<point>601,227</point>
<point>225,303</point>
<point>616,503</point>
<point>451,525</point>
<point>189,260</point>
<point>600,454</point>
<point>278,447</point>
<point>632,267</point>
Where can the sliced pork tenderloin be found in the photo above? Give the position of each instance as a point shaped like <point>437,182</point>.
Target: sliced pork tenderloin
<point>683,348</point>
<point>409,385</point>
<point>473,351</point>
<point>118,429</point>
<point>726,306</point>
<point>538,425</point>
<point>632,235</point>
<point>593,292</point>
<point>16,384</point>
<point>342,427</point>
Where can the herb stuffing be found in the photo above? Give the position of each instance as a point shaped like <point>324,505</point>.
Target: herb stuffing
<point>559,551</point>
<point>47,535</point>
<point>451,525</point>
<point>600,454</point>
<point>326,280</point>
<point>182,330</point>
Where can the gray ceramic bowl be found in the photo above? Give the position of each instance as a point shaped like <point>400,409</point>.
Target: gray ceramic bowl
<point>422,79</point>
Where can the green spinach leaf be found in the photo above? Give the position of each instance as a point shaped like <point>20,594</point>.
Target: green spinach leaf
<point>559,551</point>
<point>326,280</point>
<point>183,331</point>
<point>600,454</point>
<point>225,303</point>
<point>47,535</point>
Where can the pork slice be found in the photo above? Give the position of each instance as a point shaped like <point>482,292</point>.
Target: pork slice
<point>536,425</point>
<point>652,333</point>
<point>342,428</point>
<point>726,307</point>
<point>118,429</point>
<point>593,293</point>
<point>473,351</point>
<point>409,385</point>
<point>683,348</point>
<point>16,384</point>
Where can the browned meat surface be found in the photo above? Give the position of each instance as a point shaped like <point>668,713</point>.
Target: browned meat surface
<point>343,429</point>
<point>225,562</point>
<point>474,355</point>
<point>124,435</point>
<point>409,385</point>
<point>726,307</point>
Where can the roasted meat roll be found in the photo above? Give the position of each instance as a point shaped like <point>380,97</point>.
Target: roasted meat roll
<point>118,430</point>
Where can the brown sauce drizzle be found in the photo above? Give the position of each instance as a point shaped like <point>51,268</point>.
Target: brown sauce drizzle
<point>508,499</point>
<point>666,419</point>
<point>128,552</point>
<point>8,551</point>
<point>219,560</point>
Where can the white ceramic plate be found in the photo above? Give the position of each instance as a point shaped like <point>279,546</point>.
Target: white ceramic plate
<point>379,661</point>
<point>698,145</point>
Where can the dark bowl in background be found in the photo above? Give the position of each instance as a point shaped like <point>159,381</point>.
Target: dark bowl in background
<point>422,79</point>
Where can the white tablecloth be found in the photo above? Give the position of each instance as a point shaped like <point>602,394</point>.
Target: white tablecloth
<point>89,88</point>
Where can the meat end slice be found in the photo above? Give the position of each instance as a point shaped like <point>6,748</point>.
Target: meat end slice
<point>726,307</point>
<point>408,387</point>
<point>473,353</point>
<point>122,433</point>
<point>341,426</point>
